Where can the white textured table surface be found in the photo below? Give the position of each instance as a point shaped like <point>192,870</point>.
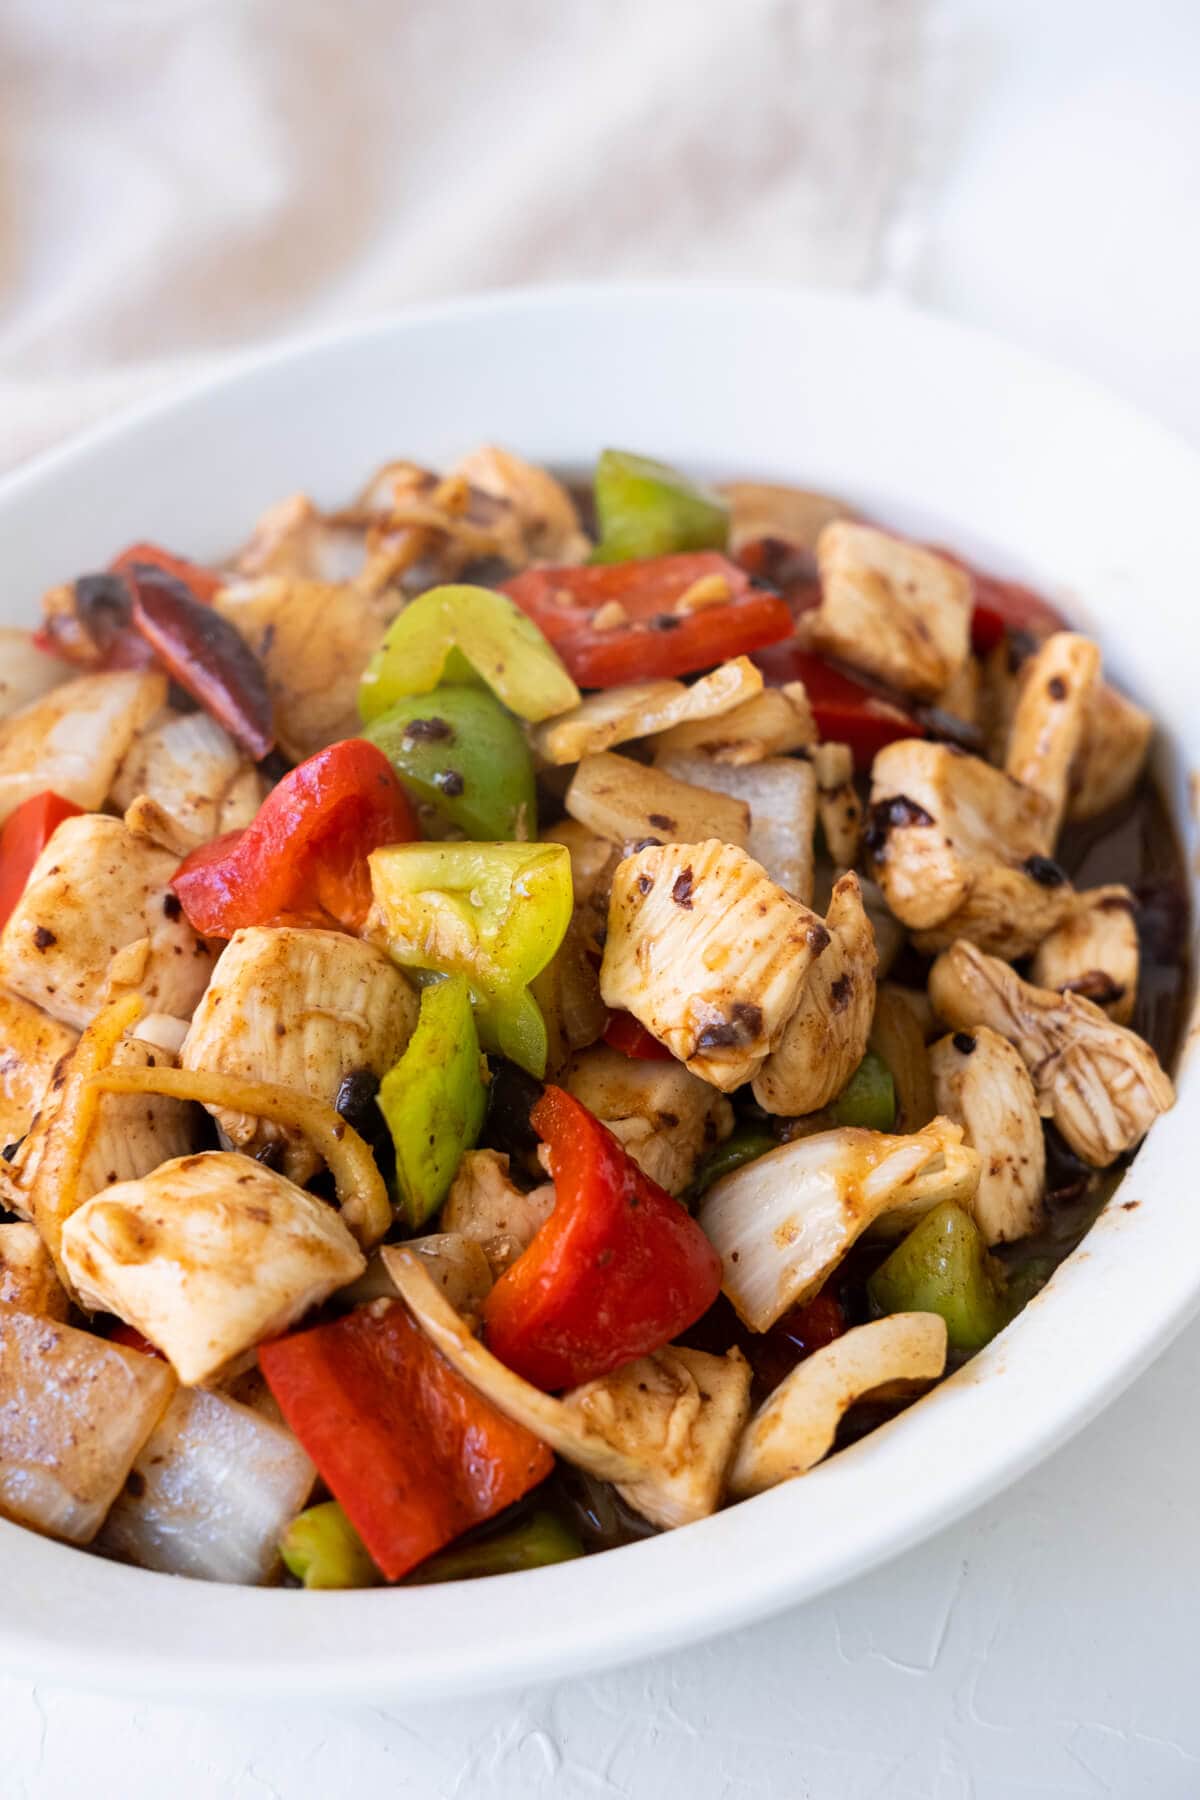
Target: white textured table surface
<point>1047,1645</point>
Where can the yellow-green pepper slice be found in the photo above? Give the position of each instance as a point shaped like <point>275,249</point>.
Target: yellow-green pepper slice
<point>323,1550</point>
<point>869,1097</point>
<point>645,508</point>
<point>434,1099</point>
<point>942,1266</point>
<point>494,913</point>
<point>467,634</point>
<point>460,752</point>
<point>533,1544</point>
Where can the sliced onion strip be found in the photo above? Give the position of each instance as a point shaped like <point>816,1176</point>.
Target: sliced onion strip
<point>362,1195</point>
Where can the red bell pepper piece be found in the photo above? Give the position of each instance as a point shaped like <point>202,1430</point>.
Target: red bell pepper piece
<point>617,1271</point>
<point>846,711</point>
<point>305,854</point>
<point>26,833</point>
<point>413,1453</point>
<point>628,1035</point>
<point>200,582</point>
<point>656,640</point>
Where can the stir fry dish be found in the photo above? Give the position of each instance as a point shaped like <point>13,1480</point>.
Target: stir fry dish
<point>531,1014</point>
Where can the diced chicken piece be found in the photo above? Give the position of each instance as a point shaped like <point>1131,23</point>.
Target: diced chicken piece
<point>1057,688</point>
<point>826,1036</point>
<point>771,723</point>
<point>124,1137</point>
<point>97,919</point>
<point>184,781</point>
<point>74,1412</point>
<point>956,847</point>
<point>1101,1084</point>
<point>684,1412</point>
<point>426,528</point>
<point>796,1426</point>
<point>788,517</point>
<point>27,1276</point>
<point>980,1081</point>
<point>72,740</point>
<point>782,1223</point>
<point>1094,952</point>
<point>487,1208</point>
<point>782,796</point>
<point>892,609</point>
<point>210,1493</point>
<point>667,1118</point>
<point>26,673</point>
<point>544,510</point>
<point>838,805</point>
<point>709,954</point>
<point>630,804</point>
<point>616,715</point>
<point>1116,742</point>
<point>31,1043</point>
<point>294,540</point>
<point>207,1256</point>
<point>301,1009</point>
<point>314,639</point>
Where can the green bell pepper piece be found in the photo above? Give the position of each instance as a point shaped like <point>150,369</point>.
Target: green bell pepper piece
<point>534,1544</point>
<point>322,1548</point>
<point>869,1097</point>
<point>495,913</point>
<point>467,634</point>
<point>645,508</point>
<point>458,751</point>
<point>942,1266</point>
<point>434,1099</point>
<point>742,1146</point>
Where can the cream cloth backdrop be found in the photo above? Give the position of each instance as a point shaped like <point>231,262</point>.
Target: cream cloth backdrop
<point>184,177</point>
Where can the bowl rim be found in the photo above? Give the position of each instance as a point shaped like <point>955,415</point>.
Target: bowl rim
<point>598,1611</point>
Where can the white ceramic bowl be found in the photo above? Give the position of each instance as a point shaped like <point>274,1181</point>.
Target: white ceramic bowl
<point>931,427</point>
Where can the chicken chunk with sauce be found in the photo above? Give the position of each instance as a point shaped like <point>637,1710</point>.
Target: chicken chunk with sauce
<point>980,1081</point>
<point>302,1009</point>
<point>207,1256</point>
<point>97,920</point>
<point>826,1037</point>
<point>667,1119</point>
<point>891,608</point>
<point>958,849</point>
<point>71,741</point>
<point>31,1043</point>
<point>1101,1084</point>
<point>184,781</point>
<point>1094,952</point>
<point>709,954</point>
<point>486,1207</point>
